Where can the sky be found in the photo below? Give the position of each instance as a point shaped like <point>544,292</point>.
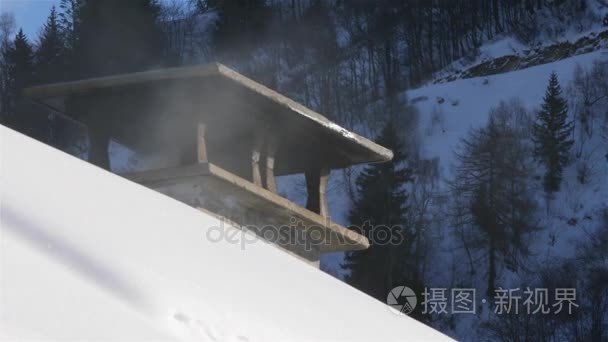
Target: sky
<point>29,14</point>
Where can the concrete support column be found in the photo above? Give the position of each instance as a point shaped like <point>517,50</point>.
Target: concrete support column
<point>316,186</point>
<point>99,144</point>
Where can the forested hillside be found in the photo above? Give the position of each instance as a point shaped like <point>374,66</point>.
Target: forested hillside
<point>496,110</point>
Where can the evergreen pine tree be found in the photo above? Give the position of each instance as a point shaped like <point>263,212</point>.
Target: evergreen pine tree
<point>493,206</point>
<point>239,29</point>
<point>49,56</point>
<point>7,25</point>
<point>116,36</point>
<point>381,205</point>
<point>51,65</point>
<point>70,17</point>
<point>19,62</point>
<point>552,132</point>
<point>69,20</point>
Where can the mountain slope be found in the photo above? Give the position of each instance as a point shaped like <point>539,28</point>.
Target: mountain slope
<point>448,111</point>
<point>465,103</point>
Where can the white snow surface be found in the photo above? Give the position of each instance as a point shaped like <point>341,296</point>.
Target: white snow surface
<point>467,102</point>
<point>88,255</point>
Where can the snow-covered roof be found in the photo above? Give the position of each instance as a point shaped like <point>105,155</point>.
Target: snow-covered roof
<point>86,254</point>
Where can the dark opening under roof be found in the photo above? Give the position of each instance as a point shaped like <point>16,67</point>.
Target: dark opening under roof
<point>159,110</point>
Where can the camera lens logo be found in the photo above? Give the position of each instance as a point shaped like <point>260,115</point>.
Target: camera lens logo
<point>403,299</point>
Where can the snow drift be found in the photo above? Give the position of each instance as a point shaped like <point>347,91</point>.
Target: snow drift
<point>86,254</point>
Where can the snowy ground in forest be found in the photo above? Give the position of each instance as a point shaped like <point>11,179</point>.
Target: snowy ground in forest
<point>86,254</point>
<point>465,104</point>
<point>554,33</point>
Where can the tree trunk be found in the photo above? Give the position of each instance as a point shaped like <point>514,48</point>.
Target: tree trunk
<point>491,269</point>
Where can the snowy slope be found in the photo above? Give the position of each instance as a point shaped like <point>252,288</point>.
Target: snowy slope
<point>88,255</point>
<point>467,102</point>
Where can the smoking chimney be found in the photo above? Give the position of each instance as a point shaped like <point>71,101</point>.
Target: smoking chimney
<point>228,137</point>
